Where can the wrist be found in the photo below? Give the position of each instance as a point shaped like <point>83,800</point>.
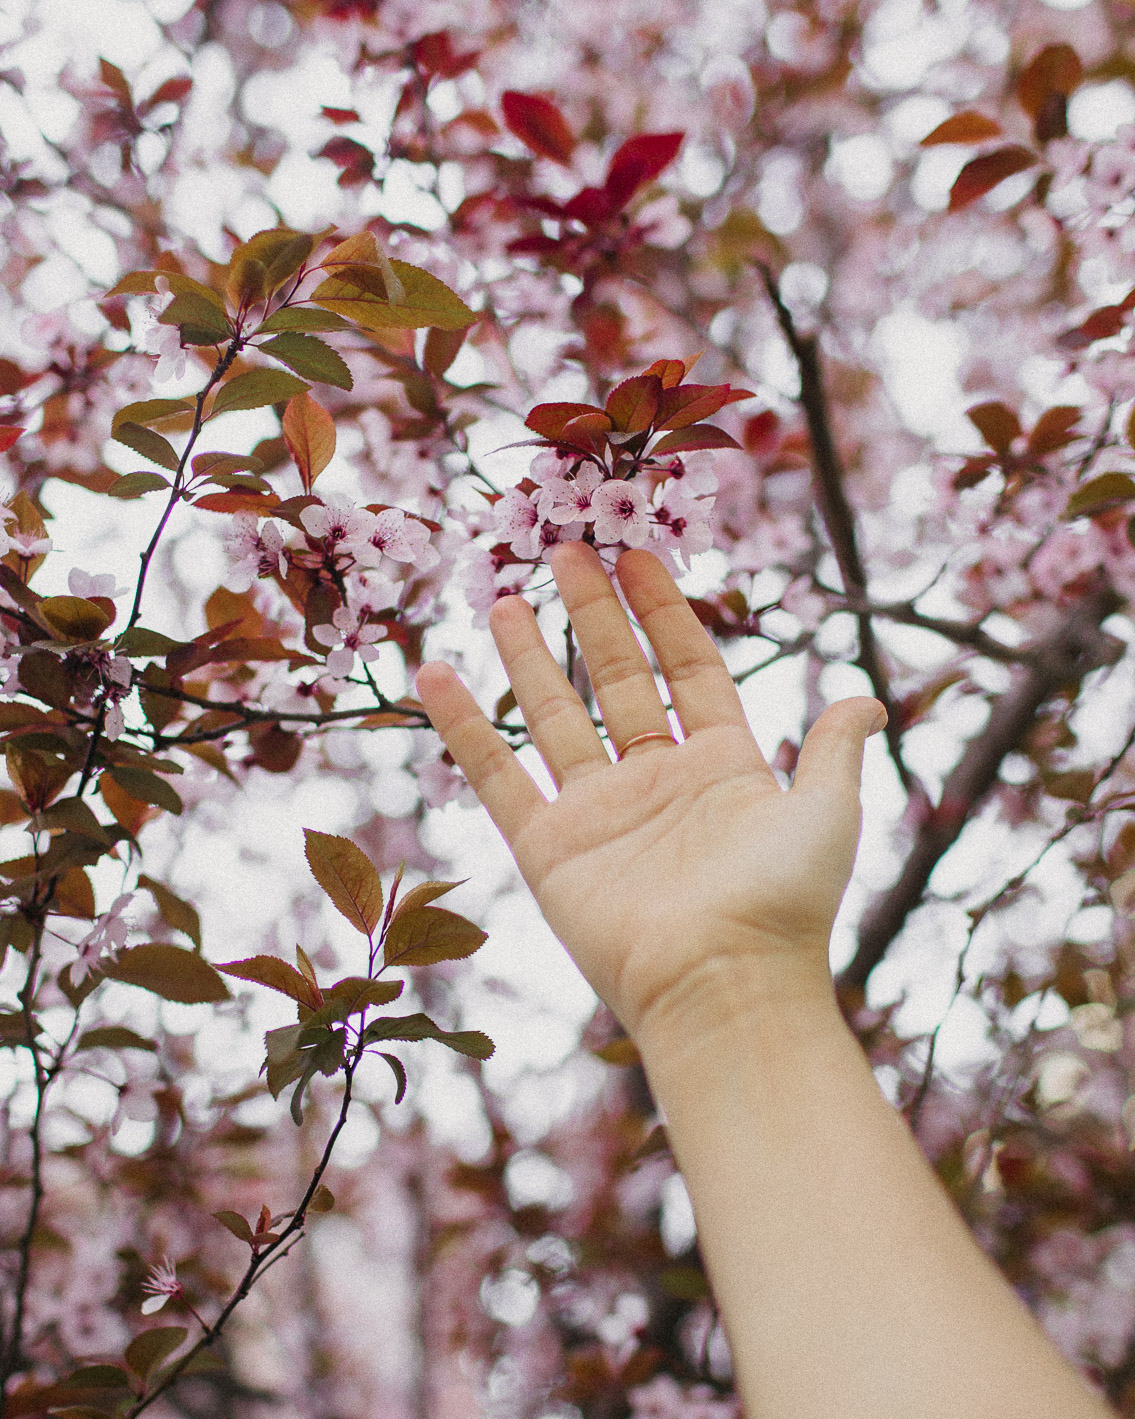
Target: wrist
<point>778,992</point>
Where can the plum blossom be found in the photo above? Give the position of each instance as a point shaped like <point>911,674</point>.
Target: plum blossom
<point>338,524</point>
<point>621,513</point>
<point>401,538</point>
<point>683,522</point>
<point>517,519</point>
<point>254,553</point>
<point>27,545</point>
<point>564,500</point>
<point>163,340</point>
<point>161,1285</point>
<point>348,635</point>
<point>486,579</point>
<point>79,583</point>
<point>104,940</point>
<point>117,680</point>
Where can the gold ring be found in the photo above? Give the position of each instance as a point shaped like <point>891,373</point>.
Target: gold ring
<point>642,739</point>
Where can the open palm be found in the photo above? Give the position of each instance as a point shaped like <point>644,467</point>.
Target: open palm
<point>656,870</point>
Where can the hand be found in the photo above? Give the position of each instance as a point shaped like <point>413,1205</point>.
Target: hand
<point>662,872</point>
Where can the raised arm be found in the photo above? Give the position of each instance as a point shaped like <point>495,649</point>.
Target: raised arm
<point>698,897</point>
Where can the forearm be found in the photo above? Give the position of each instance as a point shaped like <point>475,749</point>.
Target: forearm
<point>848,1282</point>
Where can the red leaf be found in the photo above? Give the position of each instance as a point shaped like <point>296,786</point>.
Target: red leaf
<point>539,124</point>
<point>1054,70</point>
<point>237,502</point>
<point>983,174</point>
<point>340,115</point>
<point>1054,429</point>
<point>172,91</point>
<point>996,423</point>
<point>549,419</point>
<point>670,372</point>
<point>356,162</point>
<point>688,403</point>
<point>591,205</point>
<point>639,160</point>
<point>966,127</point>
<point>691,439</point>
<point>1102,324</point>
<point>434,54</point>
<point>634,403</point>
<point>9,433</point>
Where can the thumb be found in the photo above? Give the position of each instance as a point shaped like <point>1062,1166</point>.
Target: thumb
<point>832,754</point>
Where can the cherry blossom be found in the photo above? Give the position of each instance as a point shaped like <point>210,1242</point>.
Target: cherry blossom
<point>163,340</point>
<point>79,583</point>
<point>683,522</point>
<point>161,1285</point>
<point>570,499</point>
<point>621,513</point>
<point>517,520</point>
<point>348,636</point>
<point>338,525</point>
<point>399,537</point>
<point>255,553</point>
<point>104,940</point>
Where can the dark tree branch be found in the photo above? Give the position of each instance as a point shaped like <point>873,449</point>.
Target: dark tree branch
<point>828,477</point>
<point>1075,647</point>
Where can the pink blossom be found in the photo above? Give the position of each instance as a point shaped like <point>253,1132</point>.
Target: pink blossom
<point>517,519</point>
<point>27,545</point>
<point>338,524</point>
<point>349,636</point>
<point>486,579</point>
<point>103,584</point>
<point>569,499</point>
<point>104,940</point>
<point>254,553</point>
<point>621,513</point>
<point>682,523</point>
<point>163,340</point>
<point>161,1285</point>
<point>402,538</point>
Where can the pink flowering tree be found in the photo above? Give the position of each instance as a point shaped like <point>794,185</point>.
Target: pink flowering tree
<point>325,322</point>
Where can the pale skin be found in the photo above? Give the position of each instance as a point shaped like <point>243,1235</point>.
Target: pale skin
<point>697,897</point>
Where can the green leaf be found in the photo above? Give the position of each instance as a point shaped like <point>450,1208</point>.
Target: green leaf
<point>74,618</point>
<point>149,444</point>
<point>135,485</point>
<point>168,971</point>
<point>175,911</point>
<point>267,260</point>
<point>147,1351</point>
<point>310,357</point>
<point>150,411</point>
<point>300,318</point>
<point>426,935</point>
<point>139,283</point>
<point>348,877</point>
<point>139,640</point>
<point>74,815</point>
<point>428,301</point>
<point>212,465</point>
<point>359,992</point>
<point>399,1071</point>
<point>1100,493</point>
<point>199,320</point>
<point>473,1043</point>
<point>96,1377</point>
<point>14,1029</point>
<point>146,787</point>
<point>276,975</point>
<point>114,1037</point>
<point>256,389</point>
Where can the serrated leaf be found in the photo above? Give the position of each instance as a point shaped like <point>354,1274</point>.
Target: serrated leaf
<point>422,936</point>
<point>256,389</point>
<point>348,877</point>
<point>302,319</point>
<point>139,640</point>
<point>199,320</point>
<point>398,1069</point>
<point>549,420</point>
<point>136,485</point>
<point>149,444</point>
<point>698,436</point>
<point>210,465</point>
<point>150,411</point>
<point>276,975</point>
<point>1099,494</point>
<point>310,357</point>
<point>423,894</point>
<point>472,1043</point>
<point>633,404</point>
<point>147,1351</point>
<point>236,1224</point>
<point>175,911</point>
<point>426,300</point>
<point>146,787</point>
<point>168,971</point>
<point>74,618</point>
<point>309,432</point>
<point>360,992</point>
<point>264,262</point>
<point>114,1037</point>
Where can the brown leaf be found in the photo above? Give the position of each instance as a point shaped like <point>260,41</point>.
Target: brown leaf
<point>309,431</point>
<point>168,971</point>
<point>348,877</point>
<point>965,127</point>
<point>997,424</point>
<point>423,936</point>
<point>276,975</point>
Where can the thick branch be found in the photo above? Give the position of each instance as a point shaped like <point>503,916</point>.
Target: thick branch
<point>828,476</point>
<point>1075,647</point>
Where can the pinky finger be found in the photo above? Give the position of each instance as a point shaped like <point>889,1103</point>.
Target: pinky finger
<point>493,770</point>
